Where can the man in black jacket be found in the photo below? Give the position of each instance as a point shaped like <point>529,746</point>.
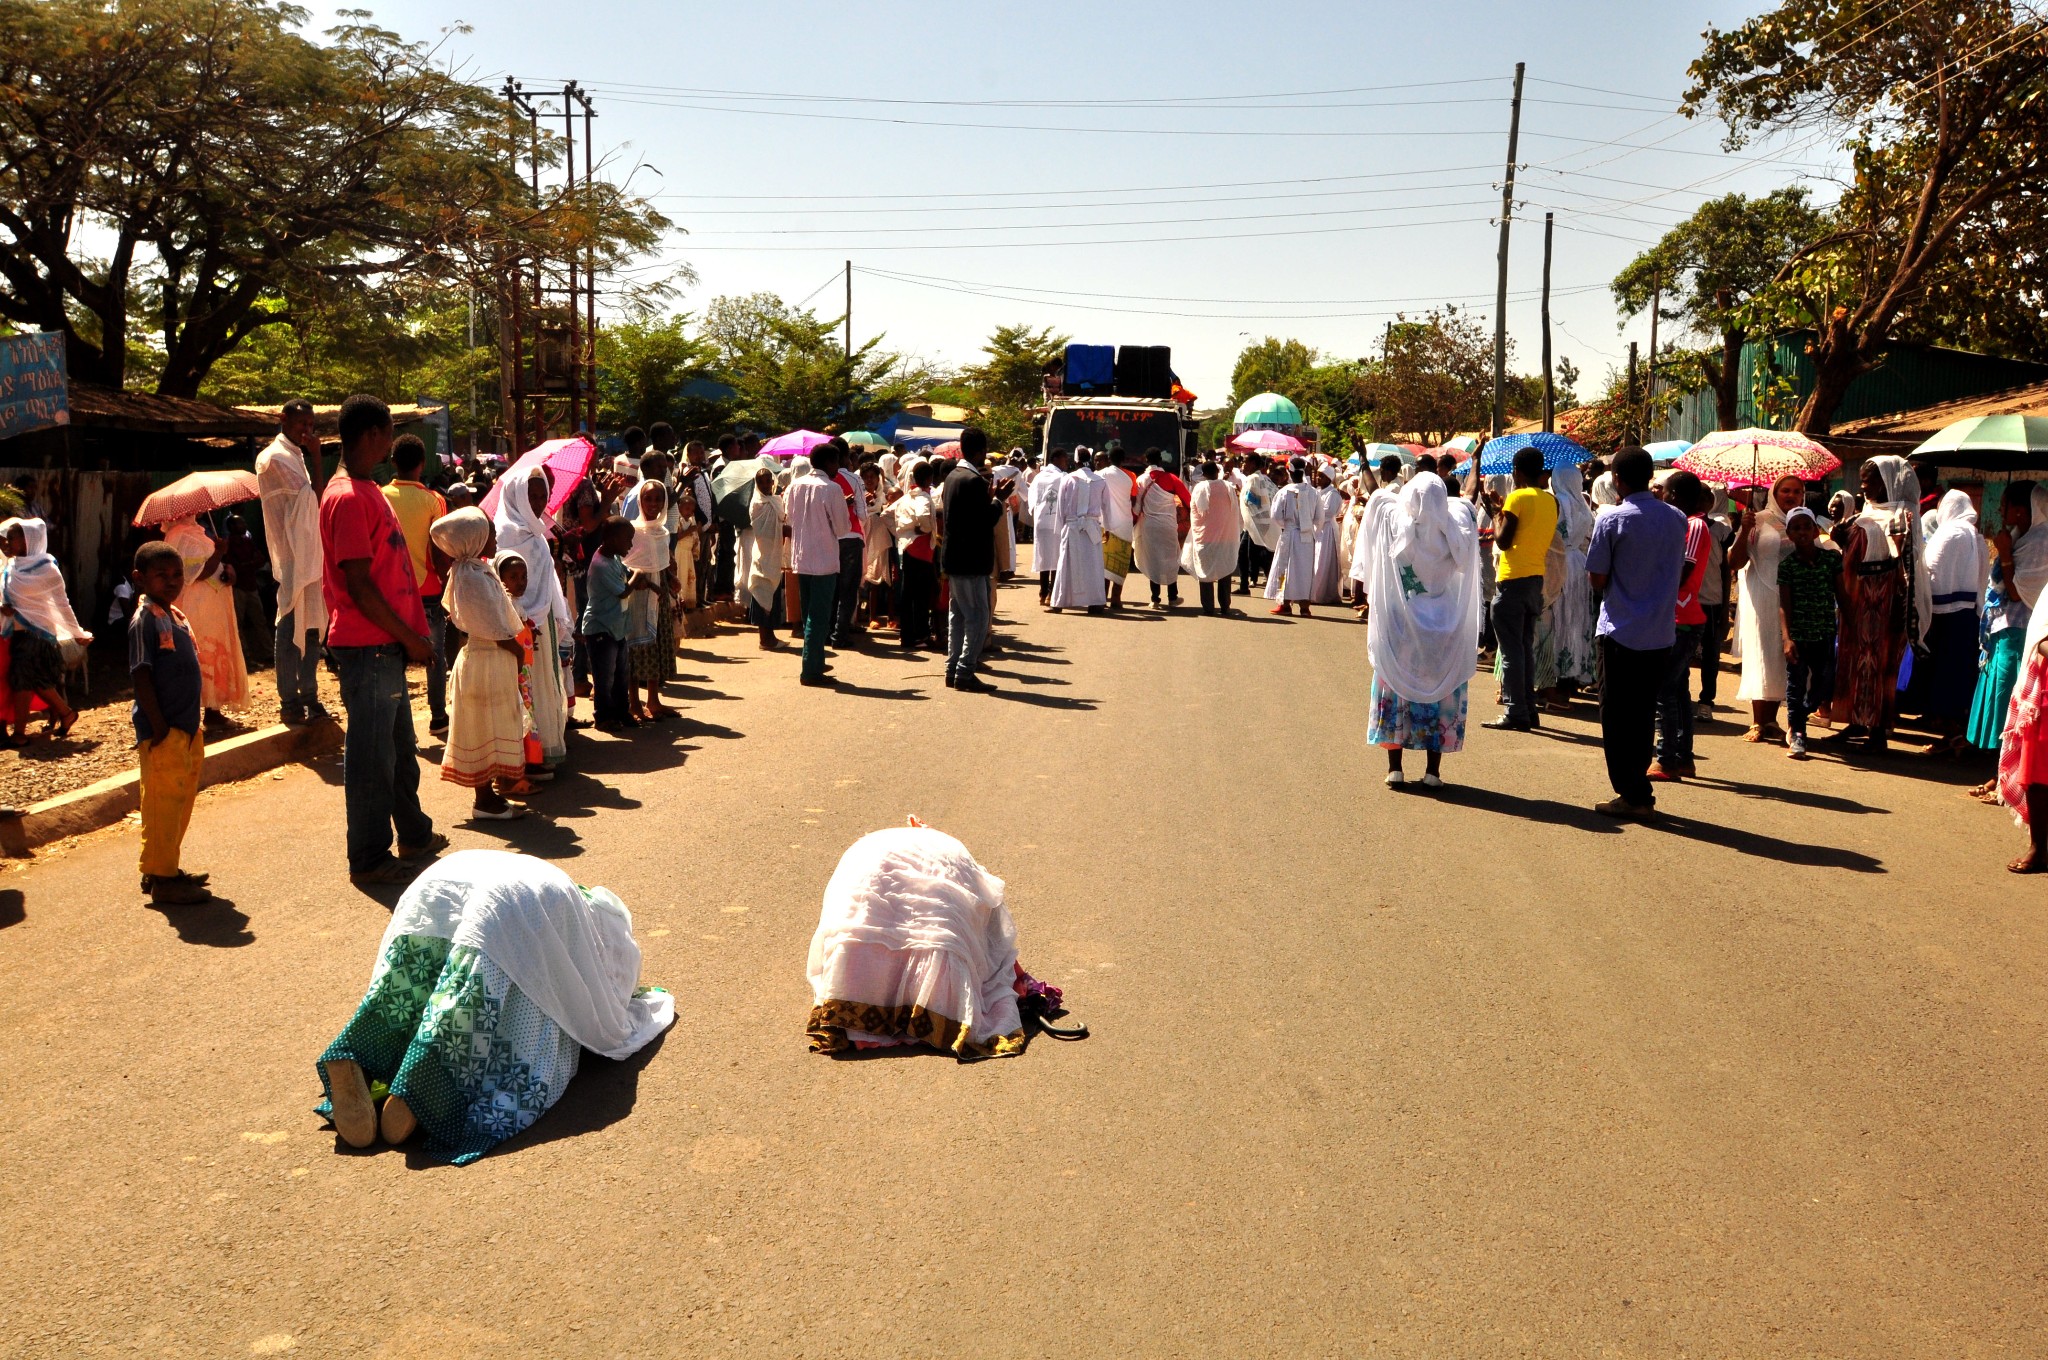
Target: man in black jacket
<point>968,557</point>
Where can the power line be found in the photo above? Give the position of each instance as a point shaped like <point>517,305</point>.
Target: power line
<point>1080,226</point>
<point>1156,297</point>
<point>1129,240</point>
<point>1042,207</point>
<point>687,92</point>
<point>1050,193</point>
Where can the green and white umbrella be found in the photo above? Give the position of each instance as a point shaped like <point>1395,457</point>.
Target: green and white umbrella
<point>1993,443</point>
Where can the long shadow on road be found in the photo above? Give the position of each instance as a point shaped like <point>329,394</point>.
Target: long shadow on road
<point>1547,810</point>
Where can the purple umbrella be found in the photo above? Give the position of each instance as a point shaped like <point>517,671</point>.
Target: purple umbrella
<point>793,444</point>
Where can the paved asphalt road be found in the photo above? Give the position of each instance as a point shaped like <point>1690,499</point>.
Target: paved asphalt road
<point>1473,1075</point>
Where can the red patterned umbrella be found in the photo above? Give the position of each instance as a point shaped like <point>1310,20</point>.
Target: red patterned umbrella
<point>195,494</point>
<point>1757,458</point>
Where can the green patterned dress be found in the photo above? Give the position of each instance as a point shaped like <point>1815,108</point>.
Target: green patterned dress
<point>445,1028</point>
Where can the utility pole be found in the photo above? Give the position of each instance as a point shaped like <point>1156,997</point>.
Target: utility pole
<point>1650,382</point>
<point>849,309</point>
<point>1633,410</point>
<point>1500,299</point>
<point>1549,384</point>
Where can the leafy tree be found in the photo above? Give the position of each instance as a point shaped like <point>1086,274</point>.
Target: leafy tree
<point>1711,266</point>
<point>792,371</point>
<point>184,167</point>
<point>1272,365</point>
<point>1943,102</point>
<point>1435,377</point>
<point>1009,380</point>
<point>643,365</point>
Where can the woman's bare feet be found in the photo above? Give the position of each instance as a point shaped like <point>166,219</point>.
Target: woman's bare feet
<point>398,1121</point>
<point>355,1118</point>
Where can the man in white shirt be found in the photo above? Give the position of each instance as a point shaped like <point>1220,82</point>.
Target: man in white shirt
<point>1257,494</point>
<point>817,526</point>
<point>291,527</point>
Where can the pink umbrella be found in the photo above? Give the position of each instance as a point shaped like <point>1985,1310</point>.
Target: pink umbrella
<point>567,461</point>
<point>1267,441</point>
<point>195,494</point>
<point>1758,458</point>
<point>794,443</point>
<point>949,449</point>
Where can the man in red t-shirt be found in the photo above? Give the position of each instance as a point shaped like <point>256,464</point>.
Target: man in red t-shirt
<point>376,625</point>
<point>1674,699</point>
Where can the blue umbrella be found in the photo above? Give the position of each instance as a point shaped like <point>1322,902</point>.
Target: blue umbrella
<point>1667,451</point>
<point>1498,457</point>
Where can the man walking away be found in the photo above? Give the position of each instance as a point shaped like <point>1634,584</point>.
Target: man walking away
<point>1674,699</point>
<point>378,626</point>
<point>817,524</point>
<point>1257,496</point>
<point>853,552</point>
<point>1635,561</point>
<point>1042,501</point>
<point>291,527</point>
<point>417,507</point>
<point>1528,521</point>
<point>1119,521</point>
<point>967,548</point>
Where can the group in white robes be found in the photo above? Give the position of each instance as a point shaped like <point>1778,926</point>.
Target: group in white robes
<point>1080,581</point>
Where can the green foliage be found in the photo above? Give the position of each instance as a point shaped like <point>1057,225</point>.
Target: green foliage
<point>1434,378</point>
<point>220,163</point>
<point>643,364</point>
<point>1272,365</point>
<point>1944,104</point>
<point>1009,379</point>
<point>792,372</point>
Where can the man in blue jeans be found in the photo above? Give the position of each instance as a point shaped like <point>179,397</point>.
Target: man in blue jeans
<point>817,520</point>
<point>967,543</point>
<point>375,627</point>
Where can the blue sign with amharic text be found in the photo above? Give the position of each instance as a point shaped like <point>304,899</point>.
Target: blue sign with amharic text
<point>32,389</point>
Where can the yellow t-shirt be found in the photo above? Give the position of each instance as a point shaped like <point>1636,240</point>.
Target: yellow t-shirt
<point>1535,512</point>
<point>417,507</point>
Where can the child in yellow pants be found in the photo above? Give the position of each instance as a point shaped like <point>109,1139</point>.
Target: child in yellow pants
<point>163,662</point>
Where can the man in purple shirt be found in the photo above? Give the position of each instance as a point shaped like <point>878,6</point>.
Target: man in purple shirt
<point>1635,561</point>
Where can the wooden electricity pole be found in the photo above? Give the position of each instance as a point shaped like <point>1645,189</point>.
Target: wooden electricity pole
<point>1500,297</point>
<point>849,309</point>
<point>1549,384</point>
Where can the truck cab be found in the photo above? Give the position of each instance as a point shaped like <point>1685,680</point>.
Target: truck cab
<point>1138,423</point>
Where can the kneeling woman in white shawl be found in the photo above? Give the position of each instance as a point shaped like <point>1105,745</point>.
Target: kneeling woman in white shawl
<point>496,972</point>
<point>915,946</point>
<point>1422,634</point>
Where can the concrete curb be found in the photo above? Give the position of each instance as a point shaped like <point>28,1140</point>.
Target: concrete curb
<point>111,799</point>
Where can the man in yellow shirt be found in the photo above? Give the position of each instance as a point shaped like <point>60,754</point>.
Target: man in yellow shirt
<point>1528,521</point>
<point>417,506</point>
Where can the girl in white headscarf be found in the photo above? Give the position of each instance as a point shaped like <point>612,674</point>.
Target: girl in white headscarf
<point>1422,629</point>
<point>1957,571</point>
<point>2018,571</point>
<point>486,716</point>
<point>650,620</point>
<point>208,603</point>
<point>522,528</point>
<point>1760,545</point>
<point>37,612</point>
<point>1881,577</point>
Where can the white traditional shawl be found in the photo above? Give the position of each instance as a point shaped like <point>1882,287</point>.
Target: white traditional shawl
<point>1422,633</point>
<point>1956,562</point>
<point>2030,551</point>
<point>475,598</point>
<point>650,552</point>
<point>522,531</point>
<point>35,585</point>
<point>291,528</point>
<point>570,951</point>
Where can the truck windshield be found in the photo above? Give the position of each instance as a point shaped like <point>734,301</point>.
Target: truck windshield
<point>1137,430</point>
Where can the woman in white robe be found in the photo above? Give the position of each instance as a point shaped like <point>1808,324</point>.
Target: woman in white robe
<point>495,973</point>
<point>760,559</point>
<point>1958,569</point>
<point>522,528</point>
<point>1157,547</point>
<point>1215,528</point>
<point>915,945</point>
<point>1080,582</point>
<point>1295,513</point>
<point>1327,547</point>
<point>1422,635</point>
<point>1571,614</point>
<point>486,739</point>
<point>1760,545</point>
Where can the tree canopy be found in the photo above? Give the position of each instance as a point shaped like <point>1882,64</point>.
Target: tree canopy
<point>196,170</point>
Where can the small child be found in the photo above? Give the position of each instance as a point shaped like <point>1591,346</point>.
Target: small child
<point>1809,587</point>
<point>163,662</point>
<point>511,569</point>
<point>605,588</point>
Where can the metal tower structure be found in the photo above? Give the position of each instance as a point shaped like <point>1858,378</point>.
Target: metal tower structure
<point>547,304</point>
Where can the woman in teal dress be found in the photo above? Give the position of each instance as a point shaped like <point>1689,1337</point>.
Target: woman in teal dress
<point>496,972</point>
<point>2019,569</point>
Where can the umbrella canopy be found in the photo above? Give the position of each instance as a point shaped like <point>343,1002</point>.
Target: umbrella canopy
<point>1499,458</point>
<point>1266,441</point>
<point>1666,451</point>
<point>195,494</point>
<point>1372,453</point>
<point>1464,443</point>
<point>567,461</point>
<point>1994,443</point>
<point>732,490</point>
<point>1268,408</point>
<point>794,443</point>
<point>1757,458</point>
<point>949,449</point>
<point>864,439</point>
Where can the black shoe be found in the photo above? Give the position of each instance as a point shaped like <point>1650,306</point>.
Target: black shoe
<point>316,712</point>
<point>815,681</point>
<point>973,684</point>
<point>952,679</point>
<point>293,715</point>
<point>1504,723</point>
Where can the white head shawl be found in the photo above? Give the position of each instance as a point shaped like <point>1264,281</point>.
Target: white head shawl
<point>35,585</point>
<point>2030,551</point>
<point>1900,511</point>
<point>1422,632</point>
<point>1956,563</point>
<point>523,531</point>
<point>1606,492</point>
<point>475,598</point>
<point>1574,516</point>
<point>649,552</point>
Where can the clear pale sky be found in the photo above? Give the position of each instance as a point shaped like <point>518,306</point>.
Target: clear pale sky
<point>1376,196</point>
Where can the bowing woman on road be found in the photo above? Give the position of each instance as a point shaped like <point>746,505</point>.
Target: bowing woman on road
<point>1422,631</point>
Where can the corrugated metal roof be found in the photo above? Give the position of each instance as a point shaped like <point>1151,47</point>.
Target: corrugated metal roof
<point>146,413</point>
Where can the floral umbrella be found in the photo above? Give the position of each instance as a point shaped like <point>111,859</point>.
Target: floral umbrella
<point>1757,458</point>
<point>195,494</point>
<point>1266,441</point>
